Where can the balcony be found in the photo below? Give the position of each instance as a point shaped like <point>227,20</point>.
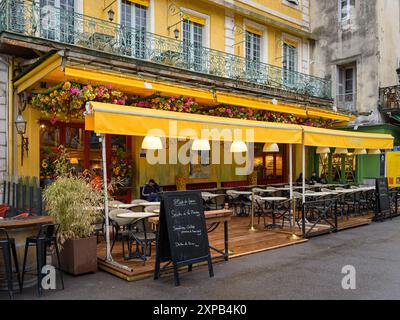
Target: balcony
<point>390,99</point>
<point>50,23</point>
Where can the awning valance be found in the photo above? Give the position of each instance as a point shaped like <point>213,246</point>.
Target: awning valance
<point>318,137</point>
<point>122,120</point>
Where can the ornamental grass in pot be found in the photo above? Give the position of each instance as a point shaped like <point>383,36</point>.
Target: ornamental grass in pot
<point>72,201</point>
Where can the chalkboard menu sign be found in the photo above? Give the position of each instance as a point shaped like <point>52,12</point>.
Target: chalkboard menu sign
<point>182,234</point>
<point>382,198</point>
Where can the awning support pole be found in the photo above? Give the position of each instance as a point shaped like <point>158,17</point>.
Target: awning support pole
<point>105,187</point>
<point>292,198</point>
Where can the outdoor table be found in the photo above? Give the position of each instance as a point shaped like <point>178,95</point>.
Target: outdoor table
<point>123,206</point>
<point>148,204</point>
<point>136,215</point>
<point>20,229</point>
<point>213,218</point>
<point>273,200</point>
<point>208,196</point>
<point>259,190</point>
<point>157,211</point>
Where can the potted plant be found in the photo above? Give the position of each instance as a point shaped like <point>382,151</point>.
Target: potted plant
<point>72,202</point>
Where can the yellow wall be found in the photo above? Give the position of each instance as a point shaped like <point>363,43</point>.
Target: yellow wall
<point>393,168</point>
<point>165,17</point>
<point>165,174</point>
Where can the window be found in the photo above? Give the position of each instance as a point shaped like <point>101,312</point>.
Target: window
<point>57,20</point>
<point>134,19</point>
<point>253,53</point>
<point>290,64</point>
<point>346,9</point>
<point>193,38</point>
<point>346,98</point>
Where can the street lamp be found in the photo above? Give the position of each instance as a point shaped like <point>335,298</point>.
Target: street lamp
<point>111,14</point>
<point>20,125</point>
<point>176,33</point>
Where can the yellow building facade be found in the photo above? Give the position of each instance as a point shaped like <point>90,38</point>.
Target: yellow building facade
<point>251,54</point>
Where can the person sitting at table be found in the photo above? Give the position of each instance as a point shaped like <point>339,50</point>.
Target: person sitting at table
<point>314,178</point>
<point>300,179</point>
<point>150,191</point>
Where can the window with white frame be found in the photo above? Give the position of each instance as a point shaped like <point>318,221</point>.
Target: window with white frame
<point>193,42</point>
<point>134,20</point>
<point>290,63</point>
<point>253,52</point>
<point>346,98</point>
<point>57,20</point>
<point>346,9</point>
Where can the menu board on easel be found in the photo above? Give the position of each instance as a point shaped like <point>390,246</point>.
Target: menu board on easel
<point>383,209</point>
<point>182,234</point>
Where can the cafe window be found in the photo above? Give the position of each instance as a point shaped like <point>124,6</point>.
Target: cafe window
<point>270,167</point>
<point>134,18</point>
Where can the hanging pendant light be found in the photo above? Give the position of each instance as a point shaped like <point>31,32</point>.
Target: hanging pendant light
<point>374,151</point>
<point>360,152</point>
<point>238,146</point>
<point>201,145</point>
<point>323,150</point>
<point>341,151</point>
<point>152,143</point>
<point>271,148</point>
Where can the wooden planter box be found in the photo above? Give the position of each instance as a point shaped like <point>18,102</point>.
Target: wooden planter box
<point>79,256</point>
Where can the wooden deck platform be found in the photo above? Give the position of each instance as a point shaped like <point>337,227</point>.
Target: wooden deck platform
<point>242,242</point>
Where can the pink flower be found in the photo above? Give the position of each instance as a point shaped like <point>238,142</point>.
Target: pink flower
<point>172,99</point>
<point>53,120</point>
<point>109,86</point>
<point>141,104</point>
<point>74,91</point>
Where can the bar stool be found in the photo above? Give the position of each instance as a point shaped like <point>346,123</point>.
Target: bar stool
<point>46,237</point>
<point>7,245</point>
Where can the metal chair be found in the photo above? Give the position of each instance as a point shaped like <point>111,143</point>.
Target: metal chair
<point>216,203</point>
<point>143,237</point>
<point>7,246</point>
<point>46,237</point>
<point>120,227</point>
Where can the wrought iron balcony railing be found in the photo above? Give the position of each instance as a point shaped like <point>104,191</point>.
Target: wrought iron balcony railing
<point>31,19</point>
<point>390,98</point>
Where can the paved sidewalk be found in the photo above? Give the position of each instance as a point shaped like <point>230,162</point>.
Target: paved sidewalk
<point>308,271</point>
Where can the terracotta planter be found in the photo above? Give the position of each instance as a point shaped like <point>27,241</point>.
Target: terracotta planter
<point>79,256</point>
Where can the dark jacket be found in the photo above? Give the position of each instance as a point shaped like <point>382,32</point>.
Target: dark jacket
<point>148,190</point>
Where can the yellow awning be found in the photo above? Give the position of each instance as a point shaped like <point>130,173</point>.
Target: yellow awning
<point>123,120</point>
<point>136,85</point>
<point>262,104</point>
<point>194,19</point>
<point>140,2</point>
<point>37,73</point>
<point>317,137</point>
<point>254,31</point>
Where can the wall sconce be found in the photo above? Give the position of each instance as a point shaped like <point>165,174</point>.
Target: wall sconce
<point>20,125</point>
<point>110,12</point>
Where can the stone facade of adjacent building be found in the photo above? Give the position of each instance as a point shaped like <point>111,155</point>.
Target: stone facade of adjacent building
<point>358,48</point>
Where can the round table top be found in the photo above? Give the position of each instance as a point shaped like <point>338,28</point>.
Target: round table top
<point>274,198</point>
<point>136,215</point>
<point>318,194</point>
<point>156,211</point>
<point>10,223</point>
<point>148,204</point>
<point>266,190</point>
<point>123,205</point>
<point>245,193</point>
